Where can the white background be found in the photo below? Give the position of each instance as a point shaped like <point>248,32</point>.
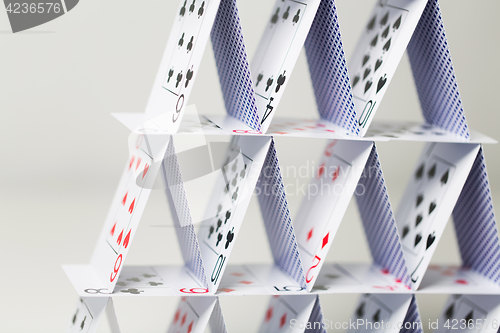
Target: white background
<point>62,152</point>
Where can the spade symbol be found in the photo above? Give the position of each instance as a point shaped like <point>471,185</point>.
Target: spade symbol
<point>420,198</point>
<point>183,9</point>
<point>170,74</point>
<point>368,85</point>
<point>371,24</point>
<point>281,80</point>
<point>418,220</point>
<point>381,82</point>
<point>385,33</point>
<point>259,78</point>
<point>191,8</point>
<point>269,82</point>
<point>356,80</point>
<point>229,237</point>
<point>179,78</point>
<point>397,24</point>
<point>378,63</point>
<point>384,19</point>
<point>432,206</point>
<point>449,311</point>
<point>74,317</point>
<point>189,47</point>
<point>360,312</point>
<point>418,238</point>
<point>444,178</point>
<point>365,59</point>
<point>296,17</point>
<point>406,230</point>
<point>181,40</point>
<point>228,215</point>
<point>432,172</point>
<point>189,76</point>
<point>202,9</point>
<point>387,45</point>
<point>82,325</point>
<point>274,19</point>
<point>374,41</point>
<point>470,316</point>
<point>367,72</point>
<point>285,14</point>
<point>219,238</point>
<point>420,172</point>
<point>430,239</point>
<point>376,316</point>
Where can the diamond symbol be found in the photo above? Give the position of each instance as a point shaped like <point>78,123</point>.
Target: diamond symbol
<point>237,274</point>
<point>325,240</point>
<point>269,314</point>
<point>309,234</point>
<point>283,320</point>
<point>226,290</point>
<point>246,282</point>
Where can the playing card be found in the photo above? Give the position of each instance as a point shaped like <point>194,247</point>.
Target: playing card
<point>429,200</point>
<point>192,314</point>
<point>181,59</point>
<point>125,212</point>
<point>470,313</point>
<point>226,210</point>
<point>378,52</point>
<point>277,53</point>
<point>328,196</point>
<point>217,323</point>
<point>285,312</point>
<point>88,314</point>
<point>240,279</point>
<point>380,313</point>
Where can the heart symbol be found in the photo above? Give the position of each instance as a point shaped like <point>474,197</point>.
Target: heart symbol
<point>22,21</point>
<point>430,239</point>
<point>381,82</point>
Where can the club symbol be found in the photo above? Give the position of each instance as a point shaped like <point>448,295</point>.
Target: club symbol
<point>243,172</point>
<point>235,194</point>
<point>121,284</point>
<point>296,17</point>
<point>378,63</point>
<point>286,13</point>
<point>387,45</point>
<point>181,40</point>
<point>397,24</point>
<point>74,317</point>
<point>235,180</point>
<point>211,231</point>
<point>155,284</point>
<point>148,275</point>
<point>191,8</point>
<point>189,47</point>
<point>384,19</point>
<point>133,291</point>
<point>367,72</point>
<point>228,215</point>
<point>183,9</point>
<point>229,238</point>
<point>269,82</point>
<point>179,78</point>
<point>368,85</point>
<point>365,59</point>
<point>374,41</point>
<point>355,80</point>
<point>381,82</point>
<point>259,78</point>
<point>360,311</point>
<point>189,76</point>
<point>219,224</point>
<point>274,18</point>
<point>371,24</point>
<point>418,238</point>
<point>134,279</point>
<point>219,238</point>
<point>420,172</point>
<point>235,164</point>
<point>201,10</point>
<point>385,33</point>
<point>406,230</point>
<point>280,81</point>
<point>170,74</point>
<point>82,325</point>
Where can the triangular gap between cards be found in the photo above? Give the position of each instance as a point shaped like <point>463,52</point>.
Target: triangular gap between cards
<point>193,314</point>
<point>434,74</point>
<point>328,69</point>
<point>217,322</point>
<point>475,223</point>
<point>277,219</point>
<point>89,314</point>
<point>379,222</point>
<point>232,65</point>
